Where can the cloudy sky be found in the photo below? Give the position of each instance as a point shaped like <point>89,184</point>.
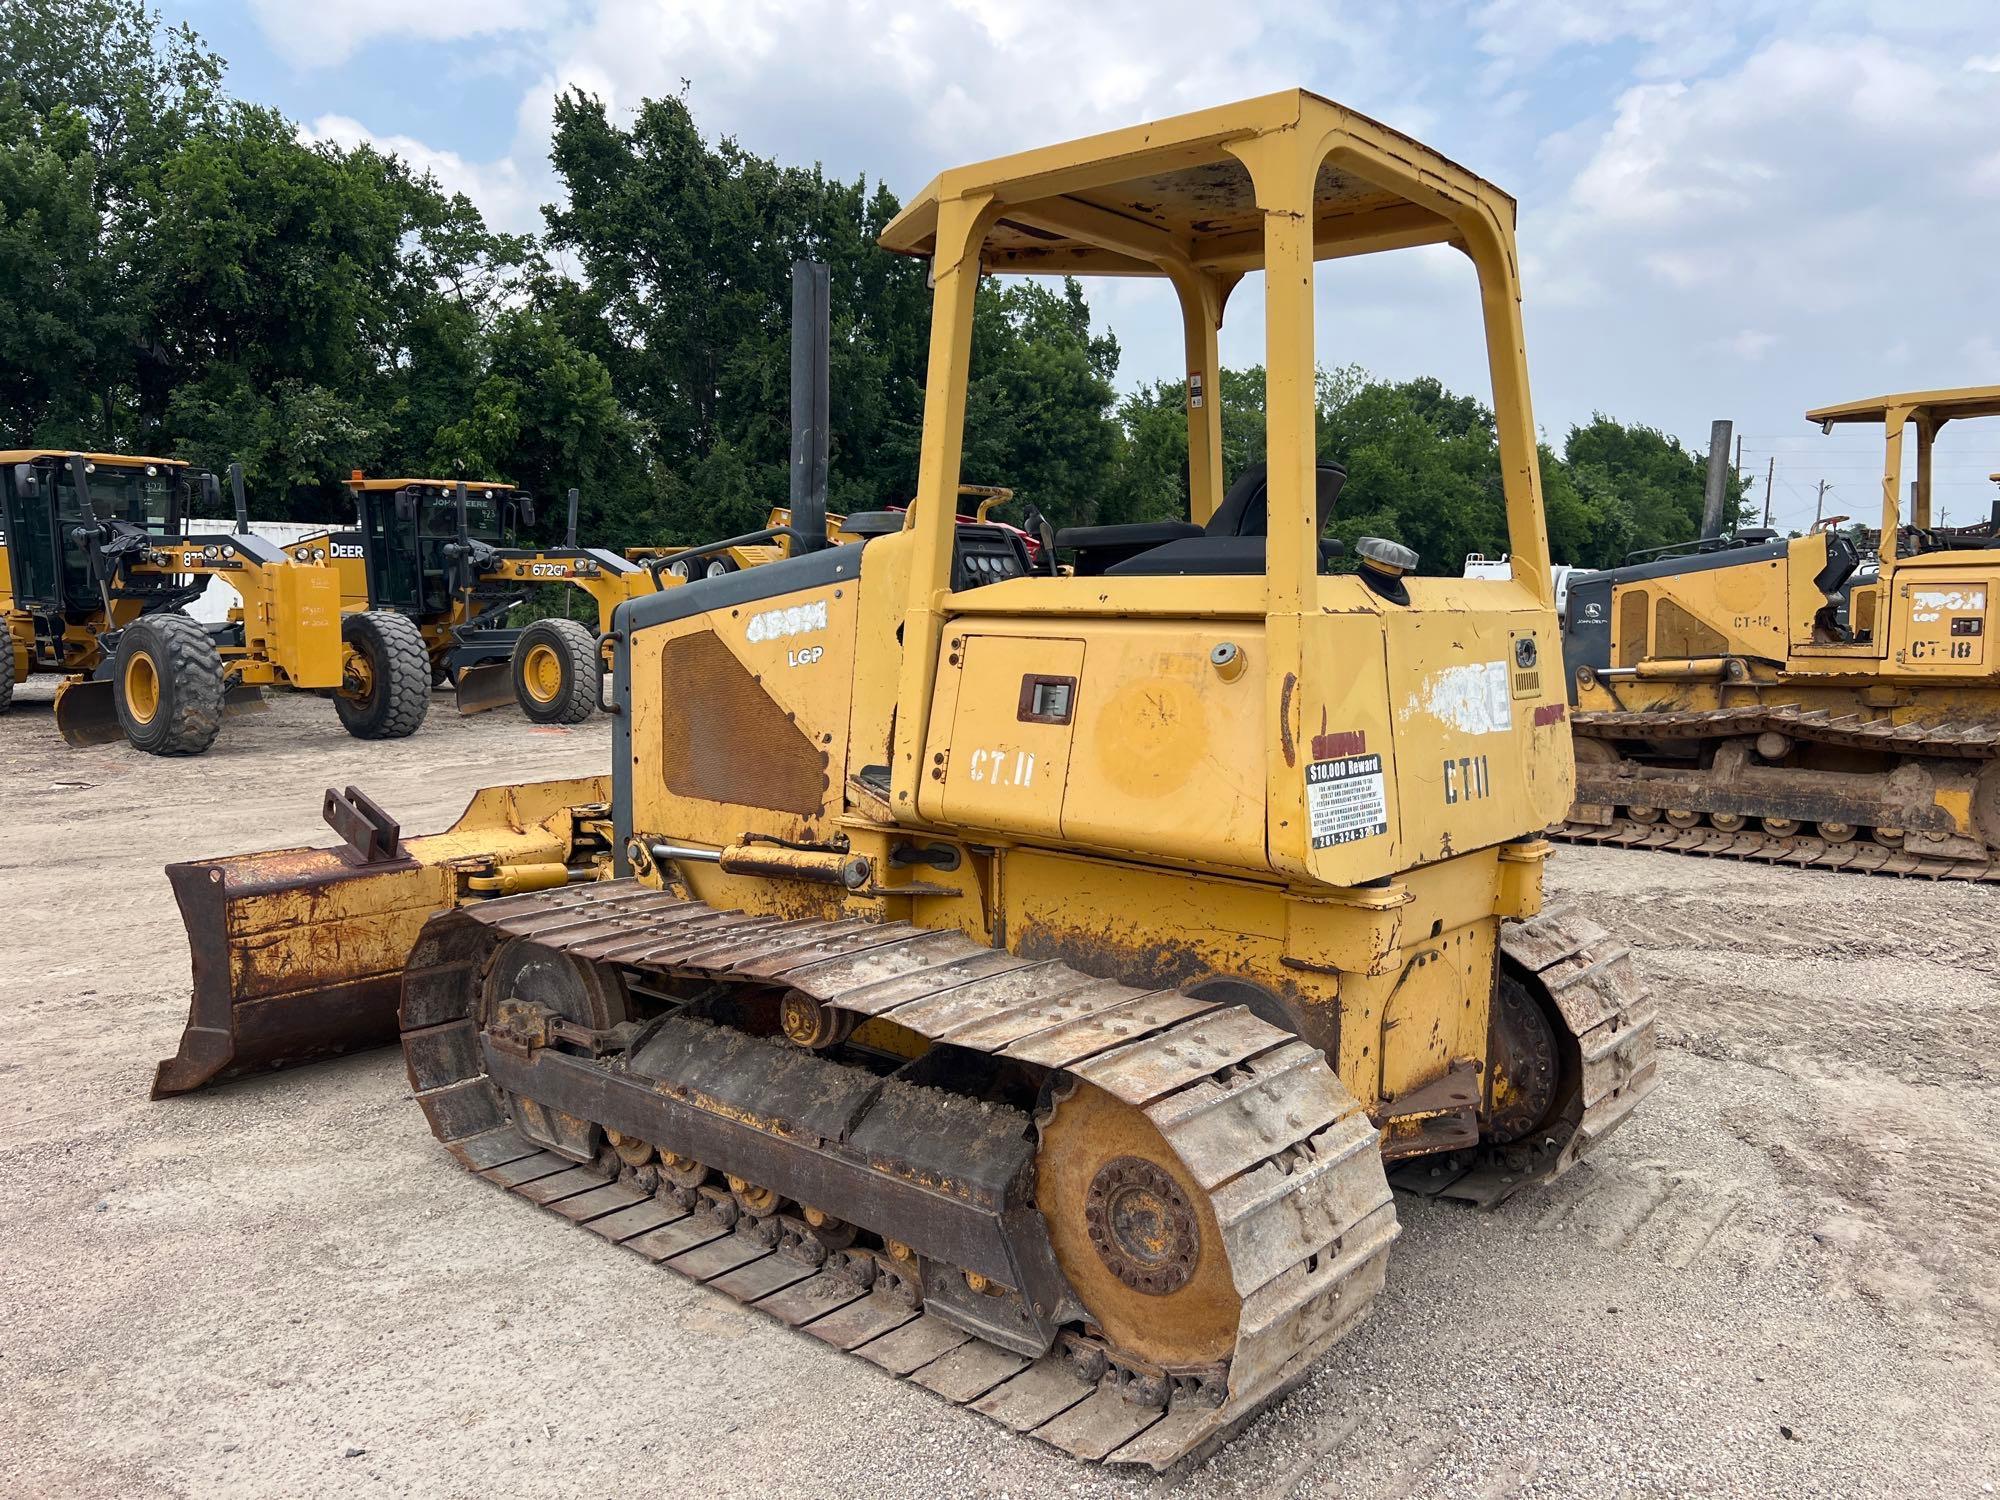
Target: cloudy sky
<point>1727,209</point>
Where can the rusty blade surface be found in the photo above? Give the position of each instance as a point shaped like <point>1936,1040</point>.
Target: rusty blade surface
<point>298,954</point>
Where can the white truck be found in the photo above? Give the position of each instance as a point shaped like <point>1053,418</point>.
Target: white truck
<point>1479,565</point>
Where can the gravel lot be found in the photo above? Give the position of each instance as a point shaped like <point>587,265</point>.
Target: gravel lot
<point>1783,1277</point>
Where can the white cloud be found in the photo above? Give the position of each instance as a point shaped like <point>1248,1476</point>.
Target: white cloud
<point>498,189</point>
<point>318,33</point>
<point>1728,207</point>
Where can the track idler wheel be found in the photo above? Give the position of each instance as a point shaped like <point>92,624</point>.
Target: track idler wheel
<point>527,974</point>
<point>1134,1232</point>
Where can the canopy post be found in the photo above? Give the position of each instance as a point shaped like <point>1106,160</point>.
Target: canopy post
<point>1201,297</point>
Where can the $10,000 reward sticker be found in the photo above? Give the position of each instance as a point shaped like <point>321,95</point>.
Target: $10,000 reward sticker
<point>1345,799</point>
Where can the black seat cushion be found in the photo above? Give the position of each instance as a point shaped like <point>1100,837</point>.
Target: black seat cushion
<point>872,523</point>
<point>1145,533</point>
<point>1098,549</point>
<point>1233,540</point>
<point>1215,555</point>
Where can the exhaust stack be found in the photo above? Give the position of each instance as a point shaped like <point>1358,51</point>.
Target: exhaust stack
<point>812,329</point>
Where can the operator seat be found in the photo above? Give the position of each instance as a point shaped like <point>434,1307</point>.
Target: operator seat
<point>1842,558</point>
<point>1233,540</point>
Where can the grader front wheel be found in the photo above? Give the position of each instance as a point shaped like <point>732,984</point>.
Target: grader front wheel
<point>167,685</point>
<point>385,688</point>
<point>557,672</point>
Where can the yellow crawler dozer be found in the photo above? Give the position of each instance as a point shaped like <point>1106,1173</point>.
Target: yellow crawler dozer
<point>1030,979</point>
<point>1827,700</point>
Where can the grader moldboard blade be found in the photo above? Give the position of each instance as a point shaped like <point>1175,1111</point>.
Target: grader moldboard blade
<point>87,713</point>
<point>488,686</point>
<point>298,953</point>
<point>244,698</point>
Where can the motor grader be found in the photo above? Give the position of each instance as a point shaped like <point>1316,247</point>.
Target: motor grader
<point>435,551</point>
<point>1824,700</point>
<point>1029,979</point>
<point>98,578</point>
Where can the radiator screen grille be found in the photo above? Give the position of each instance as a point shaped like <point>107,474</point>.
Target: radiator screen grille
<point>727,740</point>
<point>1681,634</point>
<point>1632,643</point>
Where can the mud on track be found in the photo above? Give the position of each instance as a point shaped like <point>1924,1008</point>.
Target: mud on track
<point>226,1294</point>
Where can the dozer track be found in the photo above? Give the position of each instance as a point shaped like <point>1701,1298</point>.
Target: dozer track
<point>1587,974</point>
<point>1859,853</point>
<point>1860,857</point>
<point>1185,1165</point>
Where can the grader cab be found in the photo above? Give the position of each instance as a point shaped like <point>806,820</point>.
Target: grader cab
<point>1828,700</point>
<point>1027,979</point>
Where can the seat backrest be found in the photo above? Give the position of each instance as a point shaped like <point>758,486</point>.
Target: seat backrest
<point>1245,509</point>
<point>1842,558</point>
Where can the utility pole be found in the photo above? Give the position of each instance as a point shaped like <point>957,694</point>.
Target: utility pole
<point>1819,510</point>
<point>1718,479</point>
<point>1770,474</point>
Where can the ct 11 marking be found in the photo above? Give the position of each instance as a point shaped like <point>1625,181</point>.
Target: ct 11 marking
<point>1465,778</point>
<point>1001,767</point>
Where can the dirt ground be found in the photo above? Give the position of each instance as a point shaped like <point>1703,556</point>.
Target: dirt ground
<point>1782,1278</point>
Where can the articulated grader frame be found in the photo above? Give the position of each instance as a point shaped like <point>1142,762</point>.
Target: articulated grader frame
<point>97,582</point>
<point>1782,700</point>
<point>1030,981</point>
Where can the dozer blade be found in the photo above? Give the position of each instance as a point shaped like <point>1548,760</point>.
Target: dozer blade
<point>298,953</point>
<point>87,713</point>
<point>487,686</point>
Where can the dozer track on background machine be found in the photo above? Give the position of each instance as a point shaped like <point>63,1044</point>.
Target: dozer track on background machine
<point>1690,818</point>
<point>1028,978</point>
<point>1801,701</point>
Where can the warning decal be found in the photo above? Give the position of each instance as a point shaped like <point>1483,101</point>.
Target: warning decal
<point>1346,800</point>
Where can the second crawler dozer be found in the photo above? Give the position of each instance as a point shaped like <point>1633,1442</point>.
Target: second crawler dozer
<point>1824,700</point>
<point>1030,980</point>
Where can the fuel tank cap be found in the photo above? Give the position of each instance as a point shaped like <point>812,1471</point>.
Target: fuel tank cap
<point>1385,556</point>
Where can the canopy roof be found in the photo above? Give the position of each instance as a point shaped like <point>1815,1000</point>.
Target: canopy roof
<point>1107,203</point>
<point>1942,406</point>
<point>104,460</point>
<point>488,485</point>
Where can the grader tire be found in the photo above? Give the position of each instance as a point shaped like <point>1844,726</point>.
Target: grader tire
<point>399,672</point>
<point>168,686</point>
<point>557,672</point>
<point>6,671</point>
